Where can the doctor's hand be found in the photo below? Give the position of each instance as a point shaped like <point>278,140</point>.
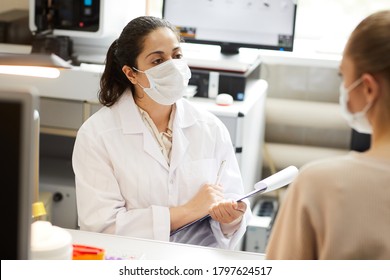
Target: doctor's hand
<point>227,211</point>
<point>207,196</point>
<point>196,207</point>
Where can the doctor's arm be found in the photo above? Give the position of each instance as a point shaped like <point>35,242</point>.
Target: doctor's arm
<point>100,203</point>
<point>197,207</point>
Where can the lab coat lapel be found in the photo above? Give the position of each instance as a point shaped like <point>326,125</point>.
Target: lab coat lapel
<point>179,148</point>
<point>152,148</point>
<point>180,141</point>
<point>132,123</point>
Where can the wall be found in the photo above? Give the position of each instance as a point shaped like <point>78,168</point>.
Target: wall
<point>303,120</point>
<point>13,4</point>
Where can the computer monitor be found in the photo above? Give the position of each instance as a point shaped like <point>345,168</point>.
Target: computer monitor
<point>232,24</point>
<point>18,164</point>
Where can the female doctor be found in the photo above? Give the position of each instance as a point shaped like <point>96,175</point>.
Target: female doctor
<point>146,163</point>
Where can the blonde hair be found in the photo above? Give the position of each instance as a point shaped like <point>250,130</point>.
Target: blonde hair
<point>369,45</point>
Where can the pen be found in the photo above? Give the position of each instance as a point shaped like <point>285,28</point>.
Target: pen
<point>220,170</point>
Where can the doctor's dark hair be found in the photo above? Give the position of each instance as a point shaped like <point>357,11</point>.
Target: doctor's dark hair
<point>124,51</point>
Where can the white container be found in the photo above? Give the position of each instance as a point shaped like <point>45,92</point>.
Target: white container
<point>50,242</point>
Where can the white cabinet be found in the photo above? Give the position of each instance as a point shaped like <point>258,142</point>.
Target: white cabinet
<point>245,121</point>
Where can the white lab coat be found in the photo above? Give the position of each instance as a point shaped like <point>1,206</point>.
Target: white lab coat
<point>124,185</point>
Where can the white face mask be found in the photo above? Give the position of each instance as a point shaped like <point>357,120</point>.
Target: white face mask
<point>358,120</point>
<point>168,81</point>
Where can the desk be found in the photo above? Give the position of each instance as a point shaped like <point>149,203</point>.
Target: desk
<point>156,250</point>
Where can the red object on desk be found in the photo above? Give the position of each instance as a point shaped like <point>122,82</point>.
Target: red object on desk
<point>82,252</point>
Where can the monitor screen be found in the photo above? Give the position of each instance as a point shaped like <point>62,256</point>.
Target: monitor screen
<point>17,144</point>
<point>260,24</point>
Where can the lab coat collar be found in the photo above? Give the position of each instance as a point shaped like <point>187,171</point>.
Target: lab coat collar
<point>180,141</point>
<point>132,123</point>
<point>130,117</point>
<point>184,116</point>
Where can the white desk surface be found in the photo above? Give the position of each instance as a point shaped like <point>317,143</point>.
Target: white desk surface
<point>126,247</point>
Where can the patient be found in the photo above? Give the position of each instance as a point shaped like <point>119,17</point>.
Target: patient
<point>340,208</point>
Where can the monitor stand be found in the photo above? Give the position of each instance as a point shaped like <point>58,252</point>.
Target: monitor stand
<point>210,57</point>
<point>214,72</point>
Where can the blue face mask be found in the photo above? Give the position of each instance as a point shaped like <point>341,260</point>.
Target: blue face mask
<point>358,120</point>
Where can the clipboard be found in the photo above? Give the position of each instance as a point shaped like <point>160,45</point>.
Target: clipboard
<point>271,183</point>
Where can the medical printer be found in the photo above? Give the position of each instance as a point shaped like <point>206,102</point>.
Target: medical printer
<point>260,226</point>
<point>214,72</point>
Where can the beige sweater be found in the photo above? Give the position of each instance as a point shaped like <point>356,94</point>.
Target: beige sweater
<point>335,209</point>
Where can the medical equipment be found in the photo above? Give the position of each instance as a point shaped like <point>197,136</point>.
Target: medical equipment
<point>259,227</point>
<point>82,29</point>
<point>213,74</point>
<point>80,18</point>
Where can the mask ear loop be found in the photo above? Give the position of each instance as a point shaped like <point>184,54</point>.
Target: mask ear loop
<point>138,84</point>
<point>354,85</point>
<point>140,71</point>
<point>368,106</point>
